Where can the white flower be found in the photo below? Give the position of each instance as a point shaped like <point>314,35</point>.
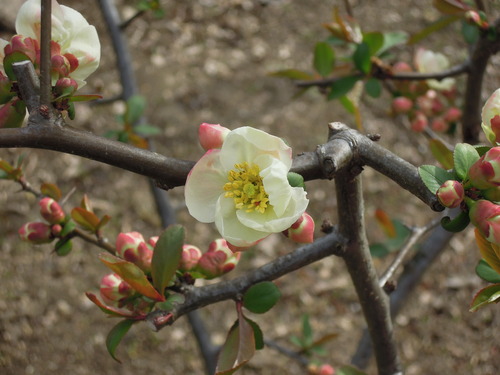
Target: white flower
<point>3,43</point>
<point>69,29</point>
<point>428,62</point>
<point>491,118</point>
<point>243,187</point>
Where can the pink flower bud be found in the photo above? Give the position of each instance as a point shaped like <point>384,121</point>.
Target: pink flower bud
<point>66,85</point>
<point>114,290</point>
<point>419,122</point>
<point>218,260</point>
<point>326,370</point>
<point>453,114</point>
<point>152,241</point>
<point>212,135</point>
<point>302,231</point>
<point>451,193</point>
<point>26,46</point>
<point>401,67</point>
<point>485,215</point>
<point>439,125</point>
<point>402,104</point>
<point>190,257</point>
<point>36,232</point>
<point>51,211</point>
<point>56,230</point>
<point>131,247</point>
<point>491,118</point>
<point>60,66</point>
<point>485,173</point>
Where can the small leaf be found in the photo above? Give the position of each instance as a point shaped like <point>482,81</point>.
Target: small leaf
<point>63,247</point>
<point>458,224</point>
<point>146,130</point>
<point>453,7</point>
<point>470,33</point>
<point>349,370</point>
<point>342,86</point>
<point>51,190</point>
<point>88,220</point>
<point>258,335</point>
<point>379,250</point>
<point>374,40</point>
<point>131,274</point>
<point>172,301</point>
<point>433,177</point>
<point>292,74</point>
<point>442,153</point>
<point>463,157</point>
<point>489,251</point>
<point>111,310</point>
<point>11,59</point>
<point>12,114</point>
<point>324,58</point>
<point>167,256</point>
<point>261,297</point>
<point>105,219</point>
<point>490,294</point>
<point>68,228</point>
<point>307,331</point>
<point>373,87</point>
<point>361,58</point>
<point>392,39</point>
<point>486,272</point>
<point>296,180</point>
<point>116,335</point>
<point>135,109</point>
<point>436,26</point>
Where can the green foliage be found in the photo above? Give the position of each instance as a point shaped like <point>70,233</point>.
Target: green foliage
<point>373,87</point>
<point>116,335</point>
<point>296,180</point>
<point>362,57</point>
<point>51,190</point>
<point>458,224</point>
<point>432,28</point>
<point>167,256</point>
<point>306,342</point>
<point>470,33</point>
<point>63,247</point>
<point>349,370</point>
<point>342,86</point>
<point>486,272</point>
<point>433,177</point>
<point>381,249</point>
<point>490,294</point>
<point>292,74</point>
<point>324,58</point>
<point>261,297</point>
<point>463,157</point>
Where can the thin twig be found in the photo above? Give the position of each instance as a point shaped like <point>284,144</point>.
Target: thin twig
<point>302,360</point>
<point>415,235</point>
<point>128,22</point>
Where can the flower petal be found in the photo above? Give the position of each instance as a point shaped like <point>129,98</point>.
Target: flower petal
<point>204,185</point>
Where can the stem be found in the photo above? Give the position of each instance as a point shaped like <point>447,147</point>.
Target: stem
<point>45,63</point>
<point>374,302</point>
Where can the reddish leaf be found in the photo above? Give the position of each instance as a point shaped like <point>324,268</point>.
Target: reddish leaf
<point>86,219</point>
<point>292,74</point>
<point>105,219</point>
<point>385,223</point>
<point>490,294</point>
<point>51,190</point>
<point>132,274</point>
<point>110,310</point>
<point>85,203</point>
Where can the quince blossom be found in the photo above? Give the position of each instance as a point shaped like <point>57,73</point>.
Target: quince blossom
<point>434,62</point>
<point>243,187</point>
<point>75,41</point>
<point>491,118</point>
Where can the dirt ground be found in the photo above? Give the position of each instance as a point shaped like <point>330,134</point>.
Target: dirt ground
<point>208,61</point>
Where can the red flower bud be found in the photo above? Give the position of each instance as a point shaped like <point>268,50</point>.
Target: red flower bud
<point>302,231</point>
<point>485,173</point>
<point>485,215</point>
<point>212,135</point>
<point>114,290</point>
<point>402,104</point>
<point>419,122</point>
<point>26,46</point>
<point>132,247</point>
<point>451,194</point>
<point>439,125</point>
<point>190,257</point>
<point>453,114</point>
<point>51,211</point>
<point>36,232</point>
<point>326,370</point>
<point>218,260</point>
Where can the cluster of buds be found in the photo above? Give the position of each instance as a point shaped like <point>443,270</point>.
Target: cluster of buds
<point>302,231</point>
<point>477,18</point>
<point>44,232</point>
<point>428,103</point>
<point>324,369</point>
<point>133,248</point>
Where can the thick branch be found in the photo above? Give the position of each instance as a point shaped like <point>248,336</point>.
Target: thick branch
<point>331,244</point>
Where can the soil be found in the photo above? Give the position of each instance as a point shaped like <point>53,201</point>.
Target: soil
<point>209,61</point>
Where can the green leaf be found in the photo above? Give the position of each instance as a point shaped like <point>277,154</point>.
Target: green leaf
<point>116,335</point>
<point>442,153</point>
<point>433,177</point>
<point>261,297</point>
<point>374,40</point>
<point>296,180</point>
<point>131,274</point>
<point>307,331</point>
<point>470,33</point>
<point>11,59</point>
<point>490,294</point>
<point>63,247</point>
<point>167,256</point>
<point>324,58</point>
<point>486,272</point>
<point>435,26</point>
<point>361,58</point>
<point>238,349</point>
<point>257,333</point>
<point>392,39</point>
<point>68,228</point>
<point>146,130</point>
<point>373,87</point>
<point>347,104</point>
<point>349,370</point>
<point>51,190</point>
<point>379,250</point>
<point>135,109</point>
<point>342,86</point>
<point>464,156</point>
<point>458,224</point>
<point>84,98</point>
<point>292,74</point>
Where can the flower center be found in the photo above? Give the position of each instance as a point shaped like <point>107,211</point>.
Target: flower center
<point>246,188</point>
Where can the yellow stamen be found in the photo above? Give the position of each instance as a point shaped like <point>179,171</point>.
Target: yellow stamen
<point>246,188</point>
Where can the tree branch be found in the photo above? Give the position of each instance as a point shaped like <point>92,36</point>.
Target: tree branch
<point>197,297</point>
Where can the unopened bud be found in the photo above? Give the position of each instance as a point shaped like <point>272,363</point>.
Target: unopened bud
<point>439,125</point>
<point>485,215</point>
<point>36,232</point>
<point>302,231</point>
<point>212,135</point>
<point>66,86</point>
<point>453,114</point>
<point>451,193</point>
<point>419,122</point>
<point>402,104</point>
<point>485,173</point>
<point>114,290</point>
<point>190,257</point>
<point>218,260</point>
<point>51,211</point>
<point>132,247</point>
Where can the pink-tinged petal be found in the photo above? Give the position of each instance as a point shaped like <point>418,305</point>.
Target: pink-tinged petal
<point>231,228</point>
<point>246,143</point>
<point>204,186</point>
<point>212,135</point>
